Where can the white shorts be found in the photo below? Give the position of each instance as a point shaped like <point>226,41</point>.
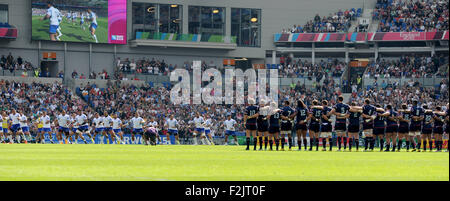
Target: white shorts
<point>367,132</point>
<point>326,134</point>
<point>414,134</point>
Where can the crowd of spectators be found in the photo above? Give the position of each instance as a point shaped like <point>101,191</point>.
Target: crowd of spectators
<point>408,66</point>
<point>337,22</point>
<point>305,69</point>
<point>411,15</point>
<point>31,99</point>
<point>396,94</point>
<point>10,63</point>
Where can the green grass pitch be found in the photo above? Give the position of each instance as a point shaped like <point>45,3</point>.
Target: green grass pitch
<point>72,32</point>
<point>205,163</point>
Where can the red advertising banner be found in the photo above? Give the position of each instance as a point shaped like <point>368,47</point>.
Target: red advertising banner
<point>8,33</point>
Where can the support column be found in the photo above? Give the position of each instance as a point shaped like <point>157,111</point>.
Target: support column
<point>347,59</point>
<point>274,57</point>
<point>313,54</point>
<point>228,22</point>
<point>90,58</point>
<point>185,20</point>
<point>376,50</point>
<point>65,52</point>
<point>433,48</point>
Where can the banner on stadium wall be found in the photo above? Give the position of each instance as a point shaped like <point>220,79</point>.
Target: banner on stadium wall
<point>126,139</point>
<point>8,33</point>
<point>361,36</point>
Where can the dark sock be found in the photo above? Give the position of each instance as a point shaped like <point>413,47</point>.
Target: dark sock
<point>399,144</point>
<point>345,142</point>
<point>261,142</point>
<point>324,142</point>
<point>282,142</point>
<point>424,145</point>
<point>418,145</point>
<point>299,142</point>
<point>271,144</point>
<point>266,140</point>
<point>366,143</point>
<point>248,142</point>
<point>350,142</point>
<point>311,142</point>
<point>305,143</point>
<point>388,146</point>
<point>407,145</point>
<point>277,143</point>
<point>372,143</point>
<point>330,141</point>
<point>317,143</point>
<point>255,141</point>
<point>339,142</point>
<point>357,144</point>
<point>381,144</point>
<point>290,142</point>
<point>440,145</point>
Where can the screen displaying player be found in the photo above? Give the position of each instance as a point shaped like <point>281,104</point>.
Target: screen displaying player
<point>101,21</point>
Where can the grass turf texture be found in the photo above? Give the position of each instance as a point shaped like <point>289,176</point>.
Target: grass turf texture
<point>184,162</point>
<point>72,32</point>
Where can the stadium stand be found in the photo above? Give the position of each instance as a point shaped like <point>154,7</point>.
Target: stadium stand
<point>411,15</point>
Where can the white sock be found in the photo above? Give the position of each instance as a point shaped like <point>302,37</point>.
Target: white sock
<point>207,141</point>
<point>18,138</point>
<point>95,37</point>
<point>195,140</point>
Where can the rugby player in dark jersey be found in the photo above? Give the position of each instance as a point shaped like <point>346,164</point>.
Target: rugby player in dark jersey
<point>302,115</point>
<point>250,118</point>
<point>326,127</point>
<point>263,124</point>
<point>427,128</point>
<point>379,126</point>
<point>416,125</point>
<point>404,117</point>
<point>438,130</point>
<point>314,125</point>
<point>340,126</point>
<point>287,115</point>
<point>368,112</point>
<point>274,124</point>
<point>354,118</point>
<point>391,128</point>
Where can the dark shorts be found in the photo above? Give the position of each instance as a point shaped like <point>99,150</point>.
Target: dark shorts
<point>415,127</point>
<point>403,129</point>
<point>301,127</point>
<point>286,126</point>
<point>326,128</point>
<point>273,129</point>
<point>353,128</point>
<point>378,131</point>
<point>391,129</point>
<point>427,131</point>
<point>263,126</point>
<point>314,127</point>
<point>438,130</point>
<point>251,127</point>
<point>340,127</point>
<point>367,126</point>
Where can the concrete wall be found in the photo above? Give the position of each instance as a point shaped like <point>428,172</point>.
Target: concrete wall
<point>276,15</point>
<point>30,80</point>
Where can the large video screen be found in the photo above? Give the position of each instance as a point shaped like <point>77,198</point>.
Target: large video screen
<point>91,21</point>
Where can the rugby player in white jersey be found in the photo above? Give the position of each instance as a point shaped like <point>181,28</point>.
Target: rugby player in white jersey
<point>64,124</point>
<point>207,125</point>
<point>153,123</point>
<point>93,27</point>
<point>98,126</point>
<point>172,128</point>
<point>52,15</point>
<point>117,129</point>
<point>199,130</point>
<point>229,125</point>
<point>24,128</point>
<point>107,127</point>
<point>15,124</point>
<point>137,122</point>
<point>46,126</point>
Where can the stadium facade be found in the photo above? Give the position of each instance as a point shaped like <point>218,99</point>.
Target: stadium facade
<point>256,42</point>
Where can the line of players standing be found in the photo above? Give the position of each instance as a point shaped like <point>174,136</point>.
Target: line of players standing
<point>414,125</point>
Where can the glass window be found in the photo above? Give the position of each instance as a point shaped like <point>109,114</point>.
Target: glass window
<point>206,20</point>
<point>156,18</point>
<point>246,26</point>
<point>3,13</point>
